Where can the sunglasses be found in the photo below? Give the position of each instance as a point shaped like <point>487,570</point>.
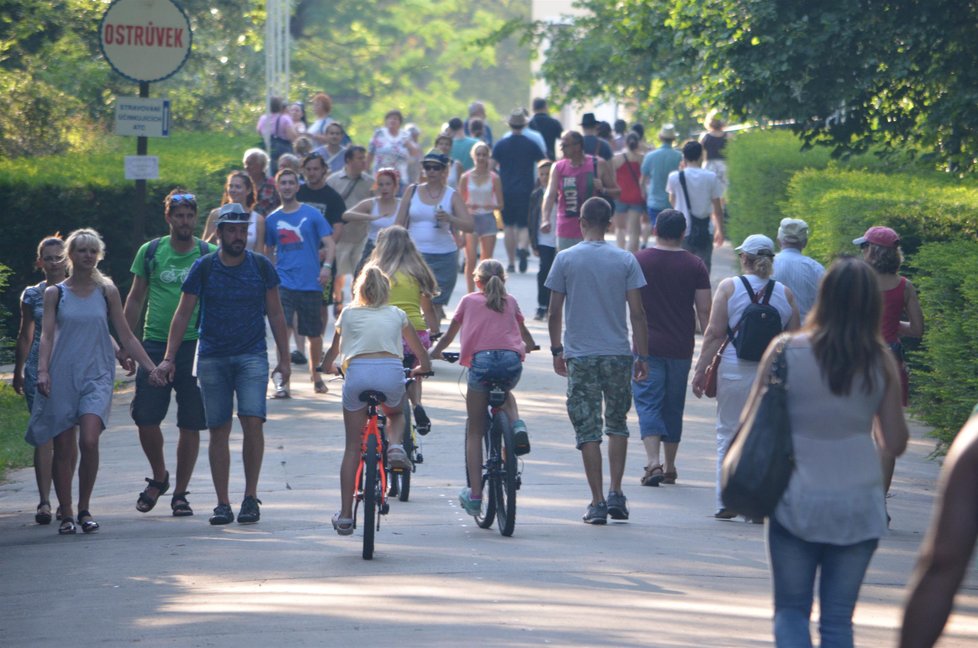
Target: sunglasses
<point>183,198</point>
<point>52,259</point>
<point>432,167</point>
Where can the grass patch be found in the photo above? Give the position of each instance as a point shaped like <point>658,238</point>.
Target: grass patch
<point>14,451</point>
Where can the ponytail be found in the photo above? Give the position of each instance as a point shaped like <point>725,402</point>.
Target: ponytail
<point>491,275</point>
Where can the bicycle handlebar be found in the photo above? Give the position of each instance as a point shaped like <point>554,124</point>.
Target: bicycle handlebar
<point>450,356</point>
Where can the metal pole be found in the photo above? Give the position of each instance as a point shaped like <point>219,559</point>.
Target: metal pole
<point>139,211</point>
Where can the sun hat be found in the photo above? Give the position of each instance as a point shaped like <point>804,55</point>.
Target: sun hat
<point>232,213</point>
<point>667,132</point>
<point>437,158</point>
<point>517,119</point>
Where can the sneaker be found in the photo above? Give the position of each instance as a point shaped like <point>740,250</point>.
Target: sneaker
<point>297,358</point>
<point>511,268</point>
<point>249,513</point>
<point>397,457</point>
<point>617,508</point>
<point>472,506</point>
<point>725,514</point>
<point>596,513</point>
<point>222,514</point>
<point>524,255</point>
<point>541,314</point>
<point>421,421</point>
<point>521,440</point>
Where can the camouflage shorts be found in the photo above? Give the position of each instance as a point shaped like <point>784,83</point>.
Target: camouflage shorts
<point>590,380</point>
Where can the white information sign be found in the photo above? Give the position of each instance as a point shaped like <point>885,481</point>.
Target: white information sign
<point>140,116</point>
<point>145,40</point>
<point>142,167</point>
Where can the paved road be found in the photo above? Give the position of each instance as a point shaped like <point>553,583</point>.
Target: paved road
<point>671,576</point>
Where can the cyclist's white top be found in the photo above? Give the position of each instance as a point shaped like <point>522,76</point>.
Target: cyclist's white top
<point>367,329</point>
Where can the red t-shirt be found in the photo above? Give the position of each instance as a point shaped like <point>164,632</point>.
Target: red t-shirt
<point>673,278</point>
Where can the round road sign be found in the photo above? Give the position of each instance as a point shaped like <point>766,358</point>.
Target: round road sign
<point>145,40</point>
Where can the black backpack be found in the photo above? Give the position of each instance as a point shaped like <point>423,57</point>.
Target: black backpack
<point>759,324</point>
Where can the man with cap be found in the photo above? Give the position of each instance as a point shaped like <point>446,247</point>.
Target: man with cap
<point>593,281</point>
<point>795,270</point>
<point>548,127</point>
<point>237,289</point>
<point>594,145</point>
<point>656,167</point>
<point>159,269</point>
<point>697,193</point>
<point>516,156</point>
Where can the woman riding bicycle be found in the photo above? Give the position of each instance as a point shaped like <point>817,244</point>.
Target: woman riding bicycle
<point>369,336</point>
<point>412,287</point>
<point>494,343</point>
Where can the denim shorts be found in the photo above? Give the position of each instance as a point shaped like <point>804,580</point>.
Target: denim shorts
<point>445,268</point>
<point>221,379</point>
<point>623,207</point>
<point>485,224</point>
<point>653,215</point>
<point>150,404</point>
<point>499,366</point>
<point>660,399</point>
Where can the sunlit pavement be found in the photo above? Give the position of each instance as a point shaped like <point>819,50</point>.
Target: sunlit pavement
<point>670,576</point>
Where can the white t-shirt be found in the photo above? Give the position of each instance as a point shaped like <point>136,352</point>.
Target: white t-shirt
<point>703,188</point>
<point>367,329</point>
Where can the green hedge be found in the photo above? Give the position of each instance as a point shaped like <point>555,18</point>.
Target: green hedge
<point>60,193</point>
<point>946,381</point>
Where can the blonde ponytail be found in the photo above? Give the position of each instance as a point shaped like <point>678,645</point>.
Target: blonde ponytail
<point>492,276</point>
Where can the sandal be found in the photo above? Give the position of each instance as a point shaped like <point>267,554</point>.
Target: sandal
<point>669,477</point>
<point>321,387</point>
<point>180,505</point>
<point>653,475</point>
<point>67,526</point>
<point>43,514</point>
<point>342,525</point>
<point>89,525</point>
<point>146,502</point>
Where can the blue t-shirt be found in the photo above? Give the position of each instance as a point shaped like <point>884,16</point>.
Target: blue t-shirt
<point>232,306</point>
<point>517,156</point>
<point>656,166</point>
<point>296,237</point>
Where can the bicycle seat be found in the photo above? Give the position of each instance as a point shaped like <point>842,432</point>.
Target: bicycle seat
<point>372,395</point>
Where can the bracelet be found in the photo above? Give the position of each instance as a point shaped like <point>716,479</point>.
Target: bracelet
<point>556,350</point>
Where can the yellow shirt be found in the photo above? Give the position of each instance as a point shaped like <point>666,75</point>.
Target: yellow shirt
<point>405,293</point>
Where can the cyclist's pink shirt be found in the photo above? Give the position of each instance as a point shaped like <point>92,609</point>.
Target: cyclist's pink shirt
<point>483,329</point>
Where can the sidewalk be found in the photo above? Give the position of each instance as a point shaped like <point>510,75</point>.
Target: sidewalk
<point>672,576</point>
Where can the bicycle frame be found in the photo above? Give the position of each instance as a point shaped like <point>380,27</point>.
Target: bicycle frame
<point>373,428</point>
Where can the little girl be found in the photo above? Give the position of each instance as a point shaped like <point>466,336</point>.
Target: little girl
<point>368,335</point>
<point>483,193</point>
<point>494,343</point>
<point>412,287</point>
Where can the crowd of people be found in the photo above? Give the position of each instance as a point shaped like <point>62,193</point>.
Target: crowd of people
<point>313,210</point>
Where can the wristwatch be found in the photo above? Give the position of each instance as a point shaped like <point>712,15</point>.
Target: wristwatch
<point>556,350</point>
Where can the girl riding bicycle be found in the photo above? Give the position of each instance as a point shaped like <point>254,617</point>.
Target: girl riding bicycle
<point>494,343</point>
<point>412,287</point>
<point>369,336</point>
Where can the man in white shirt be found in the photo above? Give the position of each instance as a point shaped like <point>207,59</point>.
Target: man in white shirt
<point>795,270</point>
<point>696,192</point>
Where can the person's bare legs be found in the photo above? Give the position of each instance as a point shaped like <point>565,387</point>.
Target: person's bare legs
<point>315,357</point>
<point>510,235</point>
<point>671,449</point>
<point>89,430</point>
<point>252,451</point>
<point>652,444</point>
<point>219,454</point>
<point>620,223</point>
<point>43,465</point>
<point>395,422</point>
<point>151,439</point>
<point>634,226</point>
<point>65,453</point>
<point>188,448</point>
<point>470,261</point>
<point>617,450</point>
<point>476,403</point>
<point>487,245</point>
<point>591,456</point>
<point>353,422</point>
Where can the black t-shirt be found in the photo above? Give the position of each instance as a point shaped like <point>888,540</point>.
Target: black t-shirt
<point>551,130</point>
<point>326,200</point>
<point>594,145</point>
<point>517,156</point>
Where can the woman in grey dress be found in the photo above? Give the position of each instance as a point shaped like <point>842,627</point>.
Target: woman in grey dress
<point>76,372</point>
<point>50,261</point>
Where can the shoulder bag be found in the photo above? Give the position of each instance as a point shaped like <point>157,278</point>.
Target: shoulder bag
<point>698,235</point>
<point>759,463</point>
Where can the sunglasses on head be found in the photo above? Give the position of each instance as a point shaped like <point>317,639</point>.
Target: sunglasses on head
<point>183,198</point>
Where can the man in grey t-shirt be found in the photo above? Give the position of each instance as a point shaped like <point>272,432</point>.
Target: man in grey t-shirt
<point>594,281</point>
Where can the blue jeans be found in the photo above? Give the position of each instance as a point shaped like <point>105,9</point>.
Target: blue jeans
<point>793,565</point>
<point>223,378</point>
<point>500,365</point>
<point>661,398</point>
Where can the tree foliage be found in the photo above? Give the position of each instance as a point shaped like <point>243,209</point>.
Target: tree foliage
<point>847,73</point>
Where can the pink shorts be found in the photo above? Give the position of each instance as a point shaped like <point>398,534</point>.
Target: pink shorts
<point>425,342</point>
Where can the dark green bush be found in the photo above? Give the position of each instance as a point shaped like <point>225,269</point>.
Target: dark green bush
<point>946,382</point>
<point>43,195</point>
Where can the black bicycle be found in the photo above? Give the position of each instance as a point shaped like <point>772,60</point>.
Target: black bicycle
<point>501,475</point>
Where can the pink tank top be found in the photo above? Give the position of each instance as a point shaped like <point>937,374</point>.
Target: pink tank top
<point>575,185</point>
<point>892,311</point>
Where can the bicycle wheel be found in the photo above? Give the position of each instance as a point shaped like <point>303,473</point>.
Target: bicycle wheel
<point>369,497</point>
<point>488,511</point>
<point>402,478</point>
<point>505,484</point>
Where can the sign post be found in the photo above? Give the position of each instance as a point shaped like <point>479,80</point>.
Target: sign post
<point>145,41</point>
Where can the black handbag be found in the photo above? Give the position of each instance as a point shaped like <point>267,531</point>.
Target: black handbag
<point>759,463</point>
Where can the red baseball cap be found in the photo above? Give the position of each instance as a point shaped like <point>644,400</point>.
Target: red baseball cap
<point>879,235</point>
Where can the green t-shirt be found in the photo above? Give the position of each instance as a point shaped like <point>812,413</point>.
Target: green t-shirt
<point>406,294</point>
<point>168,271</point>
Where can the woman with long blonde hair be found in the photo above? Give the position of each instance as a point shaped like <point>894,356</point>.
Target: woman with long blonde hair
<point>76,372</point>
